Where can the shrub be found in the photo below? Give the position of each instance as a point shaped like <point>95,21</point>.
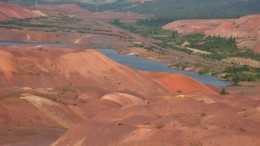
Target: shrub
<point>159,126</point>
<point>223,92</point>
<point>179,91</point>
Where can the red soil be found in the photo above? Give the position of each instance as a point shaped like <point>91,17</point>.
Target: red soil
<point>192,119</point>
<point>21,123</point>
<point>10,11</point>
<point>106,103</point>
<point>50,67</point>
<point>179,82</point>
<point>62,96</point>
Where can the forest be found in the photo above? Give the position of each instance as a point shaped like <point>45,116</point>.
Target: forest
<point>199,9</point>
<point>168,10</point>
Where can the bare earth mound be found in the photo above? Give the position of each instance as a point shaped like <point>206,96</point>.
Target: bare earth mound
<point>51,67</point>
<point>10,11</point>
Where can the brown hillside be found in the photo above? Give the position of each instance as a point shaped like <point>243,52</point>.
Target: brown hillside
<point>51,67</point>
<point>246,29</point>
<point>61,96</point>
<point>10,11</point>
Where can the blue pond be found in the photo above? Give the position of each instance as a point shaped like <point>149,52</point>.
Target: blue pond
<point>148,65</point>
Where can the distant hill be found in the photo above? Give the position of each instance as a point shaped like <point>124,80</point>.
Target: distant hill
<point>195,9</point>
<point>14,11</point>
<point>29,2</point>
<point>170,9</point>
<point>244,28</point>
<point>95,1</point>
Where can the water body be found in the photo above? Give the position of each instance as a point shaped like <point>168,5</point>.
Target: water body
<point>148,65</point>
<point>34,44</point>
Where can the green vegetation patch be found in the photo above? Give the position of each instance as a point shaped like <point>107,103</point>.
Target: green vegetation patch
<point>240,73</point>
<point>67,19</point>
<point>220,48</point>
<point>223,92</point>
<point>23,23</point>
<point>198,9</point>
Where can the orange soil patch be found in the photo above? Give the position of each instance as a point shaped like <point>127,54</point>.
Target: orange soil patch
<point>179,82</point>
<point>6,65</point>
